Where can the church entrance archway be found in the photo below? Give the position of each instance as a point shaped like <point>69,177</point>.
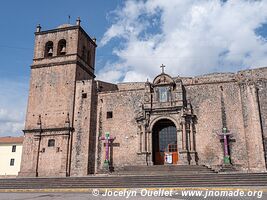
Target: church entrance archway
<point>164,142</point>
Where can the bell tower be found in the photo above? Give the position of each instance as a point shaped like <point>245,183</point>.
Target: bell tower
<point>62,56</point>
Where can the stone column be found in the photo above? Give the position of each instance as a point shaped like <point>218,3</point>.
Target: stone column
<point>140,141</point>
<point>38,141</point>
<point>178,143</point>
<point>183,154</point>
<point>141,154</point>
<point>183,136</point>
<point>188,139</point>
<point>145,142</point>
<point>149,140</point>
<point>149,148</point>
<point>192,148</point>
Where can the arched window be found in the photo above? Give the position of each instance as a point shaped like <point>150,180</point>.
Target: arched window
<point>48,49</point>
<point>61,48</point>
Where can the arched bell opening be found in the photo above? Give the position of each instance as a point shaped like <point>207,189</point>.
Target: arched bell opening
<point>48,49</point>
<point>61,50</point>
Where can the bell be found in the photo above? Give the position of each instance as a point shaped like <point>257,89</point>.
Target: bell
<point>63,50</point>
<point>50,52</point>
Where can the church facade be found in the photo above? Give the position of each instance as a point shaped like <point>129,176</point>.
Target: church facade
<point>76,125</point>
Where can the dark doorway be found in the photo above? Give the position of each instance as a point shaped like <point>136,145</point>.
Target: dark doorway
<point>164,141</point>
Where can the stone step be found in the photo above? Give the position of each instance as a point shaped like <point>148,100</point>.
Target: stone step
<point>163,169</point>
<point>227,169</point>
<point>198,180</point>
<point>97,177</point>
<point>139,185</point>
<point>139,181</point>
<point>113,177</point>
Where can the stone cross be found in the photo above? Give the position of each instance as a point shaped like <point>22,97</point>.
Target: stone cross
<point>162,68</point>
<point>108,141</point>
<point>225,133</point>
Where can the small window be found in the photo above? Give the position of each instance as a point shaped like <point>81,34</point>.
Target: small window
<point>51,143</point>
<point>48,49</point>
<point>109,115</point>
<point>84,95</point>
<point>12,162</point>
<point>14,148</point>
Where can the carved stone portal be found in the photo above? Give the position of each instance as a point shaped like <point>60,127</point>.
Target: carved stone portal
<point>163,111</point>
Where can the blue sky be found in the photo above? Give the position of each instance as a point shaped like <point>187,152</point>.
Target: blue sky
<point>134,38</point>
<point>18,20</point>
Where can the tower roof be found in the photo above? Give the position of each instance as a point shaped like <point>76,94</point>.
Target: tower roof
<point>64,25</point>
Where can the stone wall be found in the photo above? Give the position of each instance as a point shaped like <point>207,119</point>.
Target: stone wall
<point>131,86</point>
<point>53,159</point>
<point>262,98</point>
<point>206,103</point>
<point>243,117</point>
<point>51,96</point>
<point>67,105</point>
<point>70,35</point>
<point>105,87</point>
<point>124,106</point>
<point>252,126</point>
<point>51,102</point>
<point>83,139</point>
<point>29,156</point>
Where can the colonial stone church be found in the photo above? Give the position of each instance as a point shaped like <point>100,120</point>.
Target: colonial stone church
<point>76,125</point>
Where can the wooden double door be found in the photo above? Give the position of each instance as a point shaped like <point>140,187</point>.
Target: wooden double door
<point>164,143</point>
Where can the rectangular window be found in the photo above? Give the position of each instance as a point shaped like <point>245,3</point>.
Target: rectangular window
<point>14,148</point>
<point>109,115</point>
<point>12,162</point>
<point>51,143</point>
<point>84,95</point>
<point>163,94</point>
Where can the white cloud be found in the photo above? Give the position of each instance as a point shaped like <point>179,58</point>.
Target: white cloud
<point>12,106</point>
<point>110,75</point>
<point>190,37</point>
